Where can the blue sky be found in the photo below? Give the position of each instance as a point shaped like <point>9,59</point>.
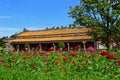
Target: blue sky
<point>33,14</point>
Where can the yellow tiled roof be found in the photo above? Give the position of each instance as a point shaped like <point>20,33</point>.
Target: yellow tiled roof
<point>52,32</point>
<point>23,37</point>
<point>72,38</point>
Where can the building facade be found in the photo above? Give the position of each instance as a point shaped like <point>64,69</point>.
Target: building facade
<point>72,38</point>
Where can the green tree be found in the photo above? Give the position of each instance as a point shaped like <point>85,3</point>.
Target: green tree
<point>13,36</point>
<point>102,16</point>
<point>61,44</point>
<point>27,45</point>
<point>25,30</point>
<point>2,41</point>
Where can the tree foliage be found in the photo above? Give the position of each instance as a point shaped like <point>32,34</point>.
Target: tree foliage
<point>27,45</point>
<point>102,16</point>
<point>61,44</point>
<point>13,36</point>
<point>2,42</point>
<point>25,30</point>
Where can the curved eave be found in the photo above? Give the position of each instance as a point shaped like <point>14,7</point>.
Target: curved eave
<point>52,39</point>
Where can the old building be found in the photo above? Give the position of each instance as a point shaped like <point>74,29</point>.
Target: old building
<point>72,37</point>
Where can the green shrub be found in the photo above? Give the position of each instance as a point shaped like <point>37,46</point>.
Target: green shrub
<point>61,44</point>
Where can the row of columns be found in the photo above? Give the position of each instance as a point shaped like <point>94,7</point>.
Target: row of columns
<point>68,44</point>
<point>54,46</point>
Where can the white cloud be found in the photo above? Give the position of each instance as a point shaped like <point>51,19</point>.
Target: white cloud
<point>8,31</point>
<point>5,17</point>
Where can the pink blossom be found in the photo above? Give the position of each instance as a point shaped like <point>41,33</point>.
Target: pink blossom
<point>109,56</point>
<point>35,54</point>
<point>33,65</point>
<point>1,60</point>
<point>51,49</point>
<point>32,48</point>
<point>98,42</point>
<point>119,43</point>
<point>42,52</point>
<point>104,53</point>
<point>114,47</point>
<point>39,46</point>
<point>74,54</point>
<point>90,48</point>
<point>111,40</point>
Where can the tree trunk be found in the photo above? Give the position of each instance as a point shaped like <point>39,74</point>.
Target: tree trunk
<point>107,44</point>
<point>108,35</point>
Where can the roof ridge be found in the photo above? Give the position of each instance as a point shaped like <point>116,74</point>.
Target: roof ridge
<point>53,29</point>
